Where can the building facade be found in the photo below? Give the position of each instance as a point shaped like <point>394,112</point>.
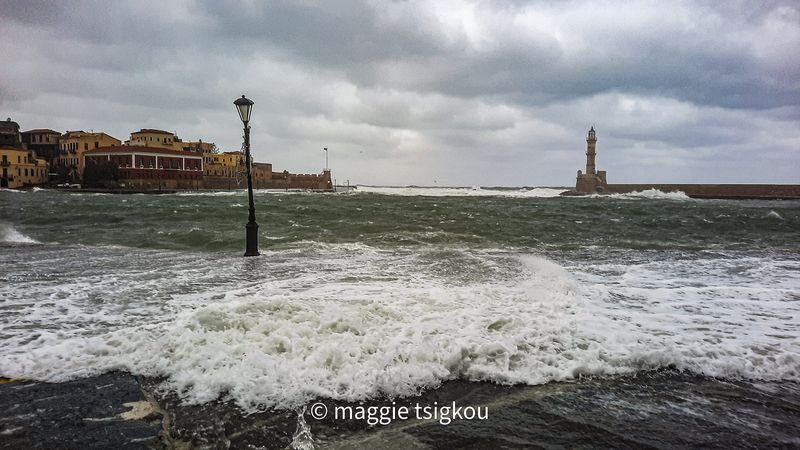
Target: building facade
<point>149,137</point>
<point>142,167</point>
<point>73,145</point>
<point>227,164</point>
<point>593,181</point>
<point>195,146</point>
<point>44,142</point>
<point>19,168</point>
<point>9,134</point>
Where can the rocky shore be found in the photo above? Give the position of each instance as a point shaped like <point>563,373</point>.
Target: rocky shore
<point>664,409</point>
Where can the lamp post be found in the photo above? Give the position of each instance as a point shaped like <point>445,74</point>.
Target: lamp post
<point>326,157</point>
<point>244,106</point>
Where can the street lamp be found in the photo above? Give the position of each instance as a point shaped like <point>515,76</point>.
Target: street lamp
<point>326,157</point>
<point>245,106</point>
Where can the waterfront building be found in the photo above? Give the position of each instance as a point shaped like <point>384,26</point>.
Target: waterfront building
<point>44,142</point>
<point>10,135</point>
<point>226,170</point>
<point>144,167</point>
<point>149,137</point>
<point>20,168</point>
<point>73,144</point>
<point>226,164</point>
<point>593,181</point>
<point>195,146</point>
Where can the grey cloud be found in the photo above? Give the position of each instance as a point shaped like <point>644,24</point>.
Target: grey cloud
<point>501,90</point>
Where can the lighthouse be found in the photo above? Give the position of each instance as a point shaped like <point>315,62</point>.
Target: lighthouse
<point>592,181</point>
<point>591,143</point>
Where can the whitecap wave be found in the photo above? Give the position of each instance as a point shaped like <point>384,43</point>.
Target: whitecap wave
<point>651,194</point>
<point>538,192</point>
<point>10,235</point>
<point>352,322</point>
<point>774,215</point>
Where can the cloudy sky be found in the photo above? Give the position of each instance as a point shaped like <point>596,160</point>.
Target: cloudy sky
<point>443,92</point>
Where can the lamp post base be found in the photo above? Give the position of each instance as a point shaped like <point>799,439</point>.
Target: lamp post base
<point>252,239</point>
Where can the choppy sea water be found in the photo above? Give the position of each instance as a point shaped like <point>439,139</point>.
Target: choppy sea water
<point>390,292</point>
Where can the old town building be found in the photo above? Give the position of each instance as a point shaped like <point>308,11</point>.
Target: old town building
<point>44,142</point>
<point>9,134</point>
<point>74,144</point>
<point>195,146</point>
<point>19,168</point>
<point>149,137</point>
<point>144,167</point>
<point>227,164</point>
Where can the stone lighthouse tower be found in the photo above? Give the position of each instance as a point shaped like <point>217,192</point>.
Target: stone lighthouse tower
<point>591,142</point>
<point>592,181</point>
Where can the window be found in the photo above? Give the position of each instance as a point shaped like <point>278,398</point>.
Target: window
<point>26,172</point>
<point>86,146</point>
<point>96,144</point>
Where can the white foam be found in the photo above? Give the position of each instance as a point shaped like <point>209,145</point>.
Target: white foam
<point>650,194</point>
<point>353,322</point>
<point>774,215</point>
<point>460,192</point>
<point>9,234</point>
<point>243,192</point>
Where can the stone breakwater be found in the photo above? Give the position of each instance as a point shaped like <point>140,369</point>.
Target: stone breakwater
<point>712,191</point>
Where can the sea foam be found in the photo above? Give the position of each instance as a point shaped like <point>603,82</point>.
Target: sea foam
<point>653,194</point>
<point>538,192</point>
<point>351,322</point>
<point>10,235</point>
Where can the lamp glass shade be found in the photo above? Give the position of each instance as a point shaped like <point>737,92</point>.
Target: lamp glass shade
<point>244,106</point>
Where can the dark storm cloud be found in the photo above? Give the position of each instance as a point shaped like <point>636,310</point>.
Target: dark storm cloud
<point>503,87</point>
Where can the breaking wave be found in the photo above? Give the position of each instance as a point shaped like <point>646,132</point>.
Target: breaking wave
<point>538,192</point>
<point>653,194</point>
<point>352,322</point>
<point>10,235</point>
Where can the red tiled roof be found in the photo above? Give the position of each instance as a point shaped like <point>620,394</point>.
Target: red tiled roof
<point>41,130</point>
<point>139,149</point>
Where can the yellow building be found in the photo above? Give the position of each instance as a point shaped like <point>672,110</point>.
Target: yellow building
<point>225,164</point>
<point>21,169</point>
<point>74,143</point>
<point>149,137</point>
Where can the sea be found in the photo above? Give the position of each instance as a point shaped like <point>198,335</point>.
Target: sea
<point>384,293</point>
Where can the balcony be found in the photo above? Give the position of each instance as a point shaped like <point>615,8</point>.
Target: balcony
<point>4,163</point>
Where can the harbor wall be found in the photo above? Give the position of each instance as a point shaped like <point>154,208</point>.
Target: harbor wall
<point>721,191</point>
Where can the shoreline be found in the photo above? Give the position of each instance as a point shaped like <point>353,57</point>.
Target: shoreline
<point>657,408</point>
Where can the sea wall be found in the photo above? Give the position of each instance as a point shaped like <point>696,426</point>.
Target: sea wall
<point>723,191</point>
<point>277,181</point>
